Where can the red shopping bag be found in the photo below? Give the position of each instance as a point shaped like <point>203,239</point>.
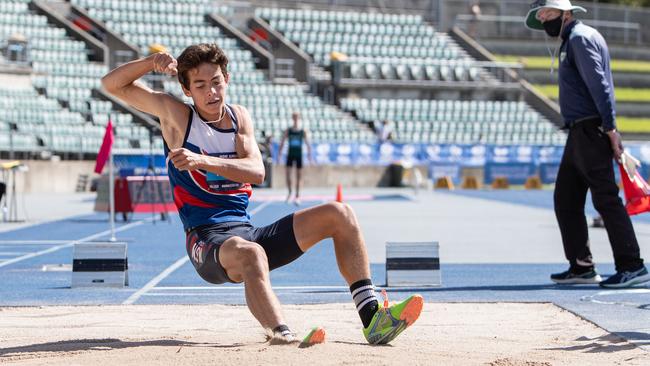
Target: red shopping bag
<point>637,192</point>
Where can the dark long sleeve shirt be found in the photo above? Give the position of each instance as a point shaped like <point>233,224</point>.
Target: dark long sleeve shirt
<point>585,76</point>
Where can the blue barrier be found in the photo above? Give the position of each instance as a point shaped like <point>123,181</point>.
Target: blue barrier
<point>440,170</point>
<point>548,172</point>
<point>516,173</point>
<point>138,164</point>
<point>388,153</point>
<point>444,159</point>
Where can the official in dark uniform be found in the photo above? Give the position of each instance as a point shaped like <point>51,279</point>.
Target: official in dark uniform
<point>589,111</point>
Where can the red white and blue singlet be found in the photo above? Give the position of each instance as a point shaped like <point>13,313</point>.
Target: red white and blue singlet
<point>202,197</point>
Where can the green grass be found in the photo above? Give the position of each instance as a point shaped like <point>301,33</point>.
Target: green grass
<point>638,125</point>
<point>544,62</point>
<point>623,95</point>
<point>550,91</point>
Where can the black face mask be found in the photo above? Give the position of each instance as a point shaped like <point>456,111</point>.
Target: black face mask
<point>553,27</point>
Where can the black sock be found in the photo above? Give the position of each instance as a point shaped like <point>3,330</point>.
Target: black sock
<point>363,294</point>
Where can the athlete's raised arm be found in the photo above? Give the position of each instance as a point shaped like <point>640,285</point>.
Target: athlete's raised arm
<point>123,83</point>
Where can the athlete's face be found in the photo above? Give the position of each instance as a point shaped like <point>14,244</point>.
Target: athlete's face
<point>208,87</point>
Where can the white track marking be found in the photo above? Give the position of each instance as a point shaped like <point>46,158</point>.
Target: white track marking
<point>169,270</point>
<point>12,253</point>
<point>593,298</point>
<point>156,280</point>
<point>33,242</point>
<point>281,288</point>
<point>241,288</point>
<point>259,208</point>
<point>69,244</point>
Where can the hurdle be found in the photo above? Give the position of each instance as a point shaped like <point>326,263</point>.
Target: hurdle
<point>533,182</point>
<point>444,183</point>
<point>500,183</point>
<point>412,264</point>
<point>100,264</point>
<point>470,182</point>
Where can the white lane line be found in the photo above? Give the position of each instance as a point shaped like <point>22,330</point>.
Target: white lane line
<point>619,292</point>
<point>69,244</point>
<point>180,294</point>
<point>216,290</point>
<point>156,280</point>
<point>35,242</point>
<point>593,298</point>
<point>169,270</point>
<point>292,288</point>
<point>259,208</point>
<point>241,288</point>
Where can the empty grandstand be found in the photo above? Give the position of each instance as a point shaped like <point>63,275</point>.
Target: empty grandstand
<point>64,117</point>
<point>144,23</point>
<point>398,51</point>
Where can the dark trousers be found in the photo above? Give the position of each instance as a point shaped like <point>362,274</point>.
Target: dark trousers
<point>587,165</point>
<point>3,188</point>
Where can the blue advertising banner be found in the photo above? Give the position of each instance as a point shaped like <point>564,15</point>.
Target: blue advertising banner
<point>548,172</point>
<point>516,173</point>
<point>466,155</point>
<point>138,164</point>
<point>440,170</point>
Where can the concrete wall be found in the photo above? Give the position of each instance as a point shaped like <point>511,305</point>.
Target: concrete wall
<point>62,176</point>
<point>18,81</point>
<point>52,176</point>
<point>330,176</point>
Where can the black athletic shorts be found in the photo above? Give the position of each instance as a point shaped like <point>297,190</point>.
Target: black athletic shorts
<point>297,159</point>
<point>203,243</point>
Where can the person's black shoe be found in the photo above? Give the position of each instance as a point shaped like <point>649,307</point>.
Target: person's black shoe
<point>569,278</point>
<point>627,278</point>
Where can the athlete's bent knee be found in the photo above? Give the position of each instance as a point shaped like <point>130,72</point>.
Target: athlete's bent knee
<point>343,212</point>
<point>253,260</point>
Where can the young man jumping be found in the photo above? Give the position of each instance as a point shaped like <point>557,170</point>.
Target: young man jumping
<point>212,158</point>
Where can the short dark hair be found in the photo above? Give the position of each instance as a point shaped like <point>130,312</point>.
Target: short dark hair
<point>197,54</point>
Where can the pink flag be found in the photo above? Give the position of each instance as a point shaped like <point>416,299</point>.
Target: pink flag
<point>105,150</point>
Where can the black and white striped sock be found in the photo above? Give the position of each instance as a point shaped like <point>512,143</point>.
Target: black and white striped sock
<point>282,330</point>
<point>365,299</point>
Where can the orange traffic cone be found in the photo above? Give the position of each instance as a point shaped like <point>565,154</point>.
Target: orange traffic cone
<point>637,192</point>
<point>339,193</point>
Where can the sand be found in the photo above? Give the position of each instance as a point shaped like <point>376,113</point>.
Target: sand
<point>445,334</point>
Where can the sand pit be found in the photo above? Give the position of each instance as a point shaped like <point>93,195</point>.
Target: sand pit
<point>446,334</point>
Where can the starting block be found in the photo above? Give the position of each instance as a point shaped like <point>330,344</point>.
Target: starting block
<point>533,182</point>
<point>444,183</point>
<point>100,265</point>
<point>470,182</point>
<point>412,264</point>
<point>500,183</point>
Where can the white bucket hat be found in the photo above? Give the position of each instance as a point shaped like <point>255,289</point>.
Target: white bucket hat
<point>531,19</point>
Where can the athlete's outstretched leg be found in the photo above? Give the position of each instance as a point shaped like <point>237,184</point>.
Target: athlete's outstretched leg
<point>337,220</point>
